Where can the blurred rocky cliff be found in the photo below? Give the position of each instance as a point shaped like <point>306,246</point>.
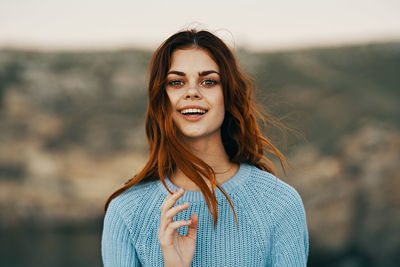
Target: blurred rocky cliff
<point>72,131</point>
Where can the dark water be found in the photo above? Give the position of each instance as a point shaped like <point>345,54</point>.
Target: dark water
<point>56,247</point>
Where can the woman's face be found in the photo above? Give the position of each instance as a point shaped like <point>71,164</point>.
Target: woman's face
<point>195,92</point>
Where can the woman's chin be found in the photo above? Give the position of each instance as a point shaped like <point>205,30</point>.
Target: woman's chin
<point>201,136</point>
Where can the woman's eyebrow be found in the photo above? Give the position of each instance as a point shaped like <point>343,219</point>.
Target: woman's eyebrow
<point>203,73</point>
<point>180,73</point>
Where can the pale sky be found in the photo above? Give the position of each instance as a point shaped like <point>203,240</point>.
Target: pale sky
<point>260,25</point>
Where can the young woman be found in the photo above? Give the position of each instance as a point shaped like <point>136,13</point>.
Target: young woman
<point>207,195</point>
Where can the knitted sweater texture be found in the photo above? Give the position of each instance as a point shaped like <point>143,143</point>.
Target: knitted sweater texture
<point>272,228</point>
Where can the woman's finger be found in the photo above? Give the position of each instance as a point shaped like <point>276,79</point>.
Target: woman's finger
<point>162,207</point>
<point>170,200</point>
<point>166,237</point>
<point>169,215</point>
<point>192,230</point>
<point>172,227</point>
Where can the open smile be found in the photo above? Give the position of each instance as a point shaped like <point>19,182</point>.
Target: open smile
<point>193,114</point>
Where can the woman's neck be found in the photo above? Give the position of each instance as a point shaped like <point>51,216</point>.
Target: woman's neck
<point>213,153</point>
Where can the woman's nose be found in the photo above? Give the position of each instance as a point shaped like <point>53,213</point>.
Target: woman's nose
<point>192,92</point>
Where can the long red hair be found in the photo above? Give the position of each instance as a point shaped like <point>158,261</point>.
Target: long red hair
<point>240,132</point>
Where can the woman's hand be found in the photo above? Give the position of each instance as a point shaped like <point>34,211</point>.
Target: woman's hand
<point>178,250</point>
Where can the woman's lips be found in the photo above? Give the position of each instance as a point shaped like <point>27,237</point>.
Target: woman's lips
<point>193,117</point>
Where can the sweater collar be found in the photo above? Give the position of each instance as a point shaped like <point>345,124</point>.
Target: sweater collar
<point>229,186</point>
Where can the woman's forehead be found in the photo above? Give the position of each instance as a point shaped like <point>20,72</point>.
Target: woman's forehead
<point>192,60</point>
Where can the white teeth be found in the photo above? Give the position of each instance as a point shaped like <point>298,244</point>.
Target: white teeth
<point>192,110</point>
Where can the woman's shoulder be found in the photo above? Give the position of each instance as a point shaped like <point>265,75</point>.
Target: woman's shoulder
<point>129,203</point>
<point>128,210</point>
<point>274,191</point>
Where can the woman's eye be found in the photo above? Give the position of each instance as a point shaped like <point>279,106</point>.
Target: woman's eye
<point>175,83</point>
<point>209,82</point>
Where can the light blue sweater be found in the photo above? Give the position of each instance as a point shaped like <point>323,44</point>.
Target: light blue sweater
<point>272,224</point>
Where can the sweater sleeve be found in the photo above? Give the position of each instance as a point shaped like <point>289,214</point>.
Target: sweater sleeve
<point>291,233</point>
<point>117,246</point>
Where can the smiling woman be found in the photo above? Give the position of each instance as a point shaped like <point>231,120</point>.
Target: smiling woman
<point>203,135</point>
<point>196,95</point>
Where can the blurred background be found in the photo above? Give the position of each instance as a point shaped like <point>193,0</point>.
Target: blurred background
<point>73,98</point>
